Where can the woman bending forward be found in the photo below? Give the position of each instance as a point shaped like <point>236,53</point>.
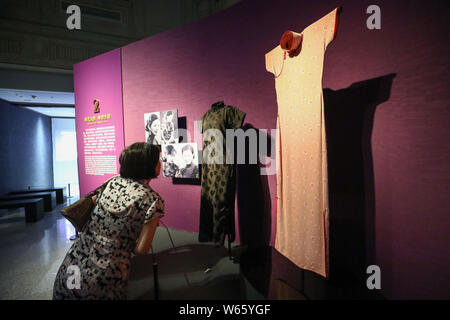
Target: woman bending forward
<point>97,266</point>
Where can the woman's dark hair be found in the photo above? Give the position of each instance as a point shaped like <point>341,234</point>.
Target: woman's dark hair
<point>150,121</point>
<point>170,149</point>
<point>139,161</point>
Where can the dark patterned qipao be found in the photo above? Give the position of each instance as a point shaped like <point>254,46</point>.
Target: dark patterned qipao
<point>103,249</point>
<point>218,180</point>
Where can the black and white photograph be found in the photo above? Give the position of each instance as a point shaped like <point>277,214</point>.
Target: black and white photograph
<point>180,160</point>
<point>161,127</point>
<point>169,126</point>
<point>153,128</point>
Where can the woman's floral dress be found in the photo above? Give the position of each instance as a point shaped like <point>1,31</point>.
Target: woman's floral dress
<point>97,266</point>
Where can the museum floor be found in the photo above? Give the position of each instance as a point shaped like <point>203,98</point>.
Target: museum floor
<point>30,255</point>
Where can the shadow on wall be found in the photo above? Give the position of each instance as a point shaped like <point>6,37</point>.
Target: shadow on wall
<point>349,115</point>
<point>254,207</point>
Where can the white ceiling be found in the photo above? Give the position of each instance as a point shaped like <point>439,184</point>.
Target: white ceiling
<point>66,112</point>
<point>49,103</point>
<point>38,97</point>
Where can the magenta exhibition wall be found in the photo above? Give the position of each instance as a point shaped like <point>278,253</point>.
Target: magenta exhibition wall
<point>100,138</point>
<point>189,69</point>
<point>386,105</point>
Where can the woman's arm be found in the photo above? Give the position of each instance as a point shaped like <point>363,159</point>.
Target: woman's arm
<point>145,239</point>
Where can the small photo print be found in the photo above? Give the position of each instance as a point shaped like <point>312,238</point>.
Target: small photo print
<point>169,126</point>
<point>161,127</point>
<point>180,160</point>
<point>153,128</point>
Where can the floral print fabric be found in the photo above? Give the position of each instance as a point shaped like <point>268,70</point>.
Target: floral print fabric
<point>102,251</point>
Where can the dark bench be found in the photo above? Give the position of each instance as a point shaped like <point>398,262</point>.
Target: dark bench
<point>60,192</point>
<point>48,197</point>
<point>34,208</point>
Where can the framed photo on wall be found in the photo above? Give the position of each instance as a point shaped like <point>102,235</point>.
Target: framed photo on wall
<point>161,127</point>
<point>169,126</point>
<point>180,160</point>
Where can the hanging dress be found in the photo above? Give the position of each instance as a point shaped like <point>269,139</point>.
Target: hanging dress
<point>218,179</point>
<point>302,179</point>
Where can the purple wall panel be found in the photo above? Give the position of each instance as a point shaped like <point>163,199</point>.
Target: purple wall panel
<point>98,78</point>
<point>189,69</point>
<point>400,72</point>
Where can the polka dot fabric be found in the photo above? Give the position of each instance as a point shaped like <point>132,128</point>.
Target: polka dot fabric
<point>302,176</point>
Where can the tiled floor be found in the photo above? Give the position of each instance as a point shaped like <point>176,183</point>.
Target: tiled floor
<point>30,255</point>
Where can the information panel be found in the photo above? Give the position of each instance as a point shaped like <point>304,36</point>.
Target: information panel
<point>99,118</point>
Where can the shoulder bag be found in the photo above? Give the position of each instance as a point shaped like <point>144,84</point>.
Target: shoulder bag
<point>79,212</point>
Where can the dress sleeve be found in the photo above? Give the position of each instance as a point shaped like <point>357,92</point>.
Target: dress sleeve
<point>235,118</point>
<point>329,24</point>
<point>155,210</point>
<point>274,60</point>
